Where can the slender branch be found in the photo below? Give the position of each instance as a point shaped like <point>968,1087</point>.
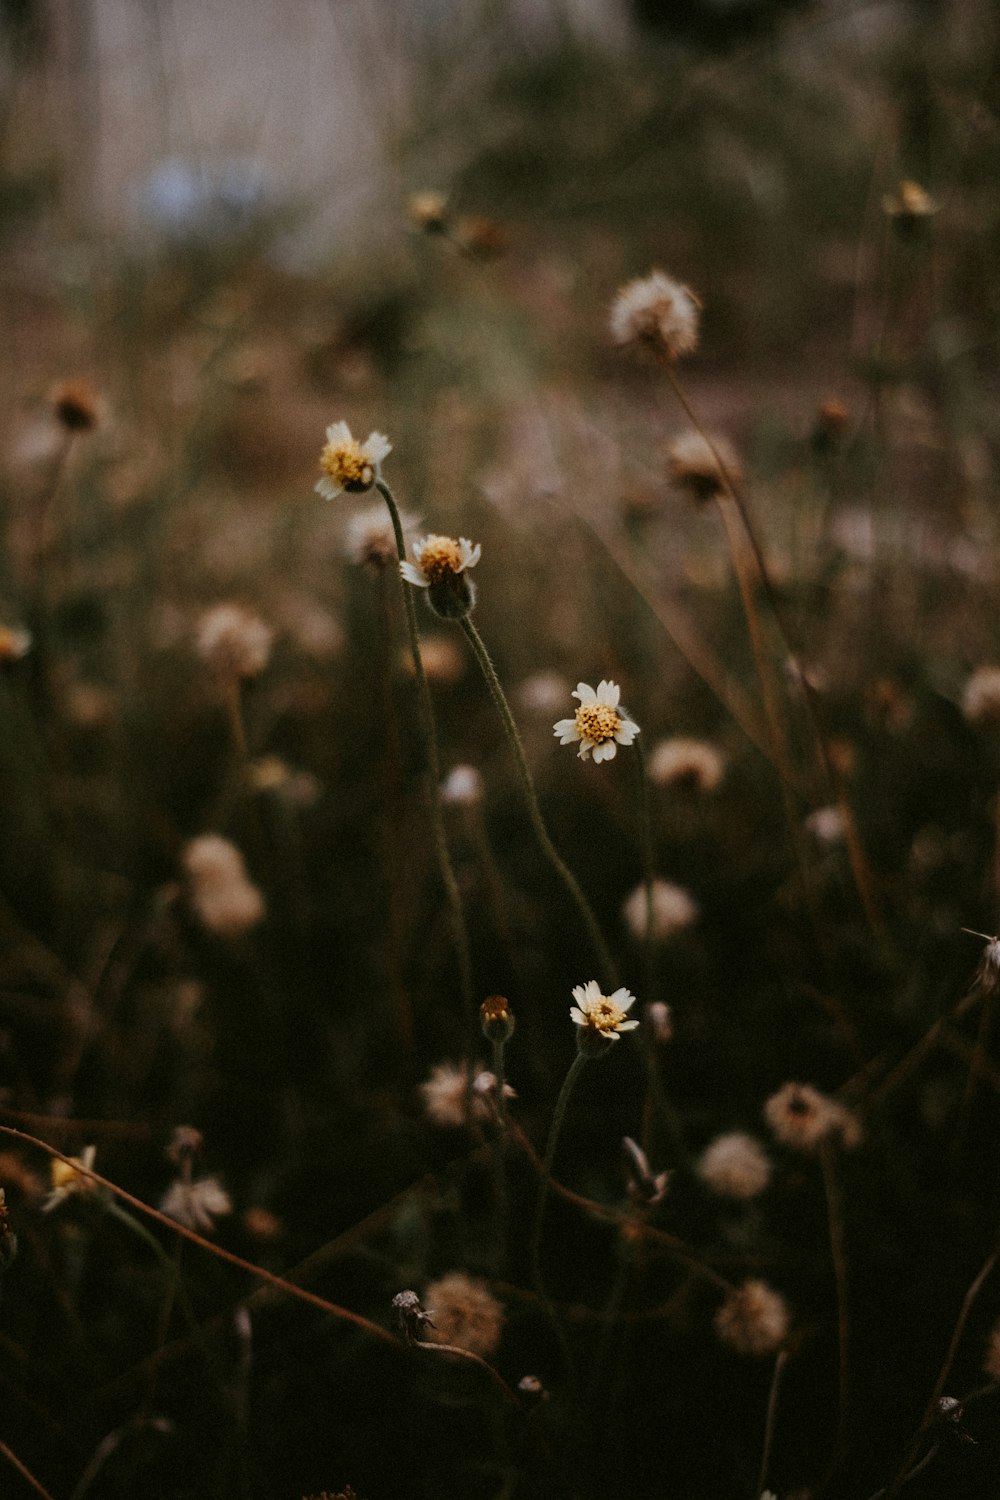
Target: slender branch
<point>24,1472</point>
<point>769,1421</point>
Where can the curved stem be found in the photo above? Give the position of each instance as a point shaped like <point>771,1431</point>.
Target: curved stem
<point>569,880</point>
<point>433,768</point>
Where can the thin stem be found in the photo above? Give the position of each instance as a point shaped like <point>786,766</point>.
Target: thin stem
<point>170,1266</point>
<point>433,768</point>
<point>24,1472</point>
<point>647,867</point>
<point>835,1220</point>
<point>565,874</point>
<point>475,1359</point>
<point>499,1150</point>
<point>575,1068</point>
<point>769,1421</point>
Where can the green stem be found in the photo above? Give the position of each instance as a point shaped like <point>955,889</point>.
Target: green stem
<point>569,880</point>
<point>647,868</point>
<point>433,769</point>
<point>569,1081</point>
<point>112,1207</point>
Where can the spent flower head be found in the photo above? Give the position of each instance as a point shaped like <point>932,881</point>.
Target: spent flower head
<point>735,1166</point>
<point>348,464</point>
<point>599,724</point>
<point>234,641</point>
<point>754,1319</point>
<point>656,316</point>
<point>464,1312</point>
<point>804,1119</point>
<point>694,466</point>
<point>441,565</point>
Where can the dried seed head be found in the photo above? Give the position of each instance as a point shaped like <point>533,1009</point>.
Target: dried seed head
<point>694,466</point>
<point>754,1319</point>
<point>735,1166</point>
<point>234,641</point>
<point>657,317</point>
<point>408,1316</point>
<point>465,1313</point>
<point>803,1118</point>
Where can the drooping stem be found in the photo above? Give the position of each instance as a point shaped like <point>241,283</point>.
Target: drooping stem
<point>569,880</point>
<point>433,769</point>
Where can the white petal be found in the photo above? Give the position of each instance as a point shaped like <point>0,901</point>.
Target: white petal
<point>584,693</point>
<point>592,991</point>
<point>607,751</point>
<point>627,1025</point>
<point>627,733</point>
<point>568,728</point>
<point>578,1016</point>
<point>623,999</point>
<point>585,748</point>
<point>608,693</point>
<point>338,433</point>
<point>377,446</point>
<point>470,554</point>
<point>414,575</point>
<point>328,488</point>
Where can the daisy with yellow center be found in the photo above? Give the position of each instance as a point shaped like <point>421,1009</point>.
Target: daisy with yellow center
<point>599,724</point>
<point>348,464</point>
<point>604,1014</point>
<point>439,558</point>
<point>67,1179</point>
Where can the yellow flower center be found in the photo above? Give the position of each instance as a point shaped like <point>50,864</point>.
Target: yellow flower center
<point>66,1176</point>
<point>597,722</point>
<point>346,464</point>
<point>439,557</point>
<point>603,1015</point>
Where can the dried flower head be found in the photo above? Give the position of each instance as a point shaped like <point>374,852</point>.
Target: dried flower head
<point>222,896</point>
<point>644,1185</point>
<point>428,211</point>
<point>462,787</point>
<point>686,764</point>
<point>348,464</point>
<point>68,1181</point>
<point>694,467</point>
<point>909,204</point>
<point>601,1017</point>
<point>599,724</point>
<point>754,1319</point>
<point>196,1204</point>
<point>369,536</point>
<point>465,1313</point>
<point>76,405</point>
<point>454,1095</point>
<point>735,1166</point>
<point>981,697</point>
<point>14,643</point>
<point>656,316</point>
<point>441,567</point>
<point>803,1118</point>
<point>673,911</point>
<point>234,641</point>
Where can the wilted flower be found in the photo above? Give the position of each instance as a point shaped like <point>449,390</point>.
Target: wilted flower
<point>222,896</point>
<point>656,316</point>
<point>14,643</point>
<point>234,641</point>
<point>369,535</point>
<point>598,724</point>
<point>685,763</point>
<point>67,1180</point>
<point>76,405</point>
<point>753,1319</point>
<point>673,911</point>
<point>464,1313</point>
<point>462,787</point>
<point>603,1016</point>
<point>348,464</point>
<point>441,567</point>
<point>981,697</point>
<point>196,1204</point>
<point>803,1118</point>
<point>694,466</point>
<point>735,1166</point>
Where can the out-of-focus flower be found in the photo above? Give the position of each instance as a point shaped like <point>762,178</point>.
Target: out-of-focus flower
<point>826,825</point>
<point>222,896</point>
<point>67,1180</point>
<point>234,641</point>
<point>754,1319</point>
<point>482,237</point>
<point>196,1204</point>
<point>464,1313</point>
<point>442,657</point>
<point>694,467</point>
<point>14,643</point>
<point>453,1095</point>
<point>657,1016</point>
<point>542,692</point>
<point>599,724</point>
<point>828,426</point>
<point>909,203</point>
<point>369,536</point>
<point>981,696</point>
<point>803,1118</point>
<point>428,210</point>
<point>261,1224</point>
<point>348,464</point>
<point>441,566</point>
<point>605,1015</point>
<point>657,316</point>
<point>184,1145</point>
<point>462,787</point>
<point>673,911</point>
<point>686,763</point>
<point>735,1166</point>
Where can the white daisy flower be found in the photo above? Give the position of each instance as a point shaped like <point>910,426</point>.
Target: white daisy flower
<point>66,1180</point>
<point>348,464</point>
<point>439,558</point>
<point>599,724</point>
<point>605,1014</point>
